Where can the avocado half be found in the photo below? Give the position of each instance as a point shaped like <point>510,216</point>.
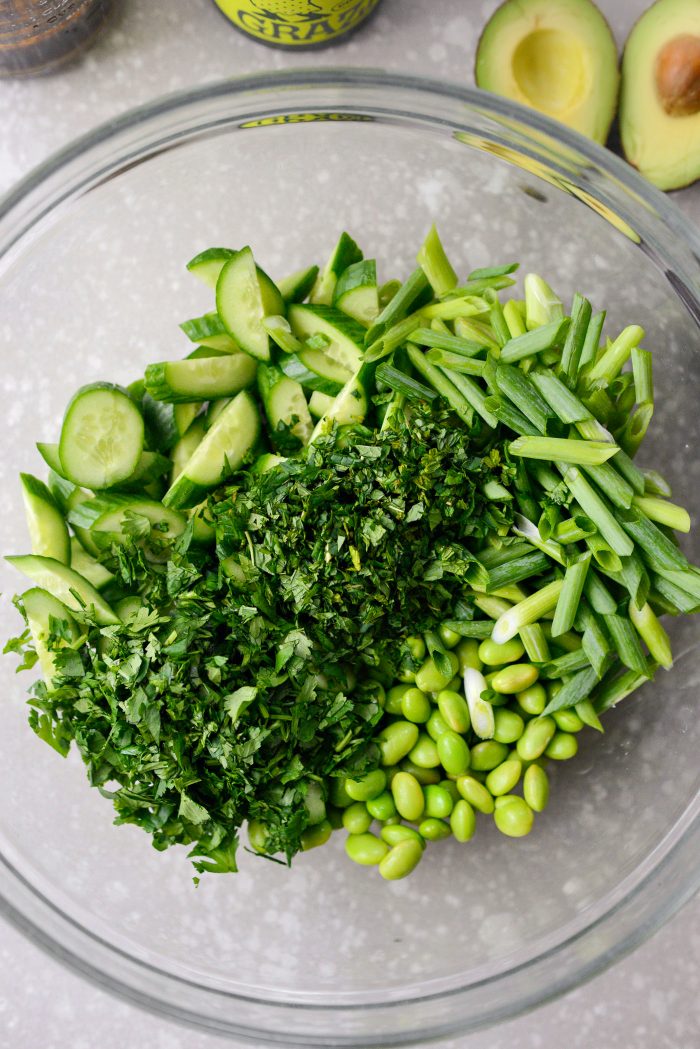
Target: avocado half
<point>660,99</point>
<point>557,56</point>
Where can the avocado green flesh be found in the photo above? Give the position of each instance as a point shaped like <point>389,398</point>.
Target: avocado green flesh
<point>664,147</point>
<point>556,56</point>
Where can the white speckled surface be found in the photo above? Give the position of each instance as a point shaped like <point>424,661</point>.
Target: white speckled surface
<point>650,999</point>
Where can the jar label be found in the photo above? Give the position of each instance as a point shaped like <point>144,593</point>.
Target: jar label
<point>296,23</point>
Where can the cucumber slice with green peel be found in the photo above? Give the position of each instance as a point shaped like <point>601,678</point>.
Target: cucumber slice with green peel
<point>265,462</point>
<point>128,607</point>
<point>107,517</point>
<point>344,254</point>
<point>88,567</point>
<point>185,414</point>
<point>239,303</point>
<point>294,369</point>
<point>208,330</point>
<point>47,527</point>
<point>351,405</point>
<point>356,292</point>
<point>102,436</point>
<point>297,285</point>
<point>49,453</point>
<point>285,406</point>
<point>203,528</point>
<point>200,379</point>
<point>223,450</point>
<point>65,584</point>
<point>319,403</point>
<point>186,447</point>
<point>76,498</point>
<point>208,264</point>
<point>45,612</point>
<point>62,490</point>
<point>164,422</point>
<point>151,466</point>
<point>214,411</point>
<point>342,356</point>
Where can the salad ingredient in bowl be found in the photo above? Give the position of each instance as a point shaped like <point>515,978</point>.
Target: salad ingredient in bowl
<point>369,557</point>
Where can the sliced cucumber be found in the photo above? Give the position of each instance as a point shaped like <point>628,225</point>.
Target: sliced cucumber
<point>203,529</point>
<point>200,379</point>
<point>341,358</point>
<point>61,490</point>
<point>214,411</point>
<point>209,331</point>
<point>186,447</point>
<point>49,453</point>
<point>265,462</point>
<point>165,423</point>
<point>67,585</point>
<point>344,254</point>
<point>239,302</point>
<point>150,467</point>
<point>297,286</point>
<point>319,403</point>
<point>294,369</point>
<point>102,436</point>
<point>84,536</point>
<point>221,453</point>
<point>285,406</point>
<point>356,292</point>
<point>107,516</point>
<point>48,531</point>
<point>351,405</point>
<point>128,607</point>
<point>41,608</point>
<point>88,566</point>
<point>208,264</point>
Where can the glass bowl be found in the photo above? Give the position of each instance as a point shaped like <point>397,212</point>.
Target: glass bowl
<point>92,285</point>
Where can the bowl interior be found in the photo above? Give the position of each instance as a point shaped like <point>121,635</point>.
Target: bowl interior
<point>96,291</point>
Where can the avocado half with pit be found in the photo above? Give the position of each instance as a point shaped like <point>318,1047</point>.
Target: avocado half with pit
<point>557,56</point>
<point>660,100</point>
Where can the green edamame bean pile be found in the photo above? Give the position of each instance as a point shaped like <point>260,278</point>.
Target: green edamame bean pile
<point>369,558</point>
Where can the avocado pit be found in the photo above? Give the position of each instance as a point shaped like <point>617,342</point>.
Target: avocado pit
<point>678,75</point>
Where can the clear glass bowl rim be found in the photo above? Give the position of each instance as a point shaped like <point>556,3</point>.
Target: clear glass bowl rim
<point>651,900</point>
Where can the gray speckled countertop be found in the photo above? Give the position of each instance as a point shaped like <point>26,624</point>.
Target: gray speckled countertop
<point>652,998</point>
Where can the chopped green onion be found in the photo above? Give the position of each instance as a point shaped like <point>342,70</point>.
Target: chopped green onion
<point>456,362</point>
<point>595,507</point>
<point>527,530</point>
<point>559,397</point>
<point>643,376</point>
<point>586,712</point>
<point>476,628</point>
<point>574,690</point>
<point>510,550</point>
<point>626,641</point>
<point>618,687</point>
<point>482,285</point>
<point>514,319</point>
<point>600,598</point>
<point>635,578</point>
<point>436,651</point>
<point>652,634</point>
<point>435,264</point>
<point>535,341</point>
<point>443,341</point>
<point>616,488</point>
<point>532,563</point>
<point>687,579</point>
<point>658,548</point>
<point>575,338</point>
<point>589,352</point>
<point>663,512</point>
<point>475,331</point>
<point>473,394</point>
<point>490,605</point>
<point>525,612</point>
<point>580,453</point>
<point>442,384</point>
<point>570,596</point>
<point>631,473</point>
<point>541,304</point>
<point>567,664</point>
<point>411,292</point>
<point>499,325</point>
<point>535,643</point>
<point>450,309</point>
<point>634,431</point>
<point>524,395</point>
<point>594,642</point>
<point>280,332</point>
<point>496,492</point>
<point>655,484</point>
<point>549,519</point>
<point>493,271</point>
<point>402,383</point>
<point>672,594</point>
<point>611,363</point>
<point>508,414</point>
<point>603,554</point>
<point>573,529</point>
<point>480,712</point>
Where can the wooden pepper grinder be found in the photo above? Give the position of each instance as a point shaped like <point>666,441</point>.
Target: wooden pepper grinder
<point>38,36</point>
